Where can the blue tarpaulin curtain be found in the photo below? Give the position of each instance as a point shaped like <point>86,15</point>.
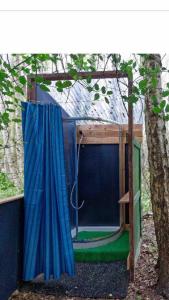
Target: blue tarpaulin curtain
<point>47,233</point>
<point>70,148</point>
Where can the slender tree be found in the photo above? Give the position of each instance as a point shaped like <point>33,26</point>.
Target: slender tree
<point>158,157</point>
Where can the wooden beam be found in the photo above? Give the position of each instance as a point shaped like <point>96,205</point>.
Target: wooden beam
<point>82,75</point>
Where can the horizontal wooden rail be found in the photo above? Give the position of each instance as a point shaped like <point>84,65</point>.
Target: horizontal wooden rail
<point>82,75</point>
<point>10,199</point>
<point>106,134</point>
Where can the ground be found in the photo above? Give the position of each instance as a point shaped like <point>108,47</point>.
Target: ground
<point>144,287</point>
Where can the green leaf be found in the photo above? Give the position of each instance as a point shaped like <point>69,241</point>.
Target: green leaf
<point>43,57</point>
<point>96,86</point>
<point>165,93</point>
<point>59,84</point>
<point>5,118</point>
<point>96,96</point>
<point>154,100</point>
<point>135,90</point>
<point>107,100</point>
<point>19,90</point>
<point>39,79</point>
<point>92,68</point>
<point>10,109</point>
<point>44,88</point>
<point>132,99</point>
<point>47,82</point>
<point>143,84</point>
<point>60,89</point>
<point>166,117</point>
<point>22,80</point>
<point>162,104</point>
<point>26,70</point>
<point>74,56</point>
<point>90,89</point>
<point>156,109</point>
<point>125,98</point>
<point>134,64</point>
<point>16,120</point>
<point>142,71</point>
<point>168,84</point>
<point>100,57</point>
<point>167,108</point>
<point>73,73</point>
<point>109,93</point>
<point>3,75</point>
<point>103,89</point>
<point>67,84</point>
<point>89,79</point>
<point>8,102</point>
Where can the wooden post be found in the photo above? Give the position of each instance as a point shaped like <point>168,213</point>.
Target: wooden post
<point>31,91</point>
<point>130,166</point>
<point>122,173</point>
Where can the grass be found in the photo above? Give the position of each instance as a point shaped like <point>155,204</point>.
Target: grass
<point>116,250</point>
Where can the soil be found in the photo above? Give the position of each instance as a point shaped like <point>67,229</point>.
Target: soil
<point>144,287</point>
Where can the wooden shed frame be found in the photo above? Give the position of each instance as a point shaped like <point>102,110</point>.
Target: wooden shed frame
<point>129,131</point>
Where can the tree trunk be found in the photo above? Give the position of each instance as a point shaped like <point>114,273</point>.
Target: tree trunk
<point>158,157</point>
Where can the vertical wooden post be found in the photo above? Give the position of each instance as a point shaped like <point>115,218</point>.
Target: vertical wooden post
<point>31,91</point>
<point>122,173</point>
<point>130,166</point>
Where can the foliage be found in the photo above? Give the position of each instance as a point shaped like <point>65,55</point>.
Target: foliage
<point>7,187</point>
<point>145,200</point>
<point>14,79</point>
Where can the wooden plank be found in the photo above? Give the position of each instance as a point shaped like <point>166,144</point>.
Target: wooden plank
<point>122,173</point>
<point>125,198</point>
<point>10,199</point>
<point>107,140</point>
<point>136,127</point>
<point>95,140</point>
<point>105,134</point>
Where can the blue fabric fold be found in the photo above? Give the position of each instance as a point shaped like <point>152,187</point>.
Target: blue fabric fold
<point>48,245</point>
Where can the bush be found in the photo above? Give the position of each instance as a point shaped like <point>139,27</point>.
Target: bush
<point>7,187</point>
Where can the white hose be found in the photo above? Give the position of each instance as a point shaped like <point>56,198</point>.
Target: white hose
<point>76,180</point>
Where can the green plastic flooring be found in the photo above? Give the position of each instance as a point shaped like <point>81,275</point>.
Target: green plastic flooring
<point>116,250</point>
<point>90,235</point>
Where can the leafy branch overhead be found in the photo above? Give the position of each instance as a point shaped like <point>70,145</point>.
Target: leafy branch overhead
<point>14,79</point>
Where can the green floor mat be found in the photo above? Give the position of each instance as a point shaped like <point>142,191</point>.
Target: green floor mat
<point>90,235</point>
<point>116,250</point>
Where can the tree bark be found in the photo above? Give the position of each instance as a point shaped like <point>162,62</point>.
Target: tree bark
<point>158,157</point>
